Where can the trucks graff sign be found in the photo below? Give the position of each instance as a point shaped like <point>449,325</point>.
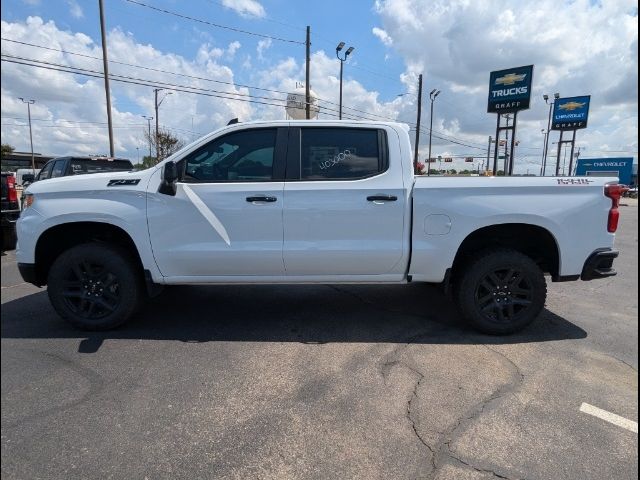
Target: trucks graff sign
<point>510,89</point>
<point>570,113</point>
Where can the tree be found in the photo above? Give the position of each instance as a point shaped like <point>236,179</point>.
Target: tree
<point>147,162</point>
<point>166,144</point>
<point>500,173</point>
<point>6,149</point>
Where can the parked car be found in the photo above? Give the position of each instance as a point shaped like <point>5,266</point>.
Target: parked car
<point>10,211</point>
<point>65,166</point>
<point>312,202</point>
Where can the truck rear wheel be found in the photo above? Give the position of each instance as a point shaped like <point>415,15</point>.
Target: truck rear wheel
<point>501,292</point>
<point>94,286</point>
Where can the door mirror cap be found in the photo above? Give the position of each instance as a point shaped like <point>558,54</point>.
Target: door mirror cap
<point>169,178</point>
<point>170,174</point>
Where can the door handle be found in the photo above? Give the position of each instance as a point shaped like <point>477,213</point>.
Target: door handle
<point>382,198</point>
<point>261,198</point>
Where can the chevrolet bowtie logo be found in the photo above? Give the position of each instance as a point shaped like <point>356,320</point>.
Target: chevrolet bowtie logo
<point>510,79</point>
<point>571,106</point>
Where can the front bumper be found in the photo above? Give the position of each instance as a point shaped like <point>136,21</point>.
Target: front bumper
<point>599,264</point>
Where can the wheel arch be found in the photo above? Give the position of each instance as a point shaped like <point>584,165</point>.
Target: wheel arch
<point>59,238</point>
<point>535,241</point>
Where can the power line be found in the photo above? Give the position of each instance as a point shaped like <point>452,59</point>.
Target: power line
<point>146,68</point>
<point>211,24</point>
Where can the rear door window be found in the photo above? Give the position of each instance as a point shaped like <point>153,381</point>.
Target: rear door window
<point>340,153</point>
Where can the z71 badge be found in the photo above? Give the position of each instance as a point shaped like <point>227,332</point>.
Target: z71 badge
<point>123,182</point>
<point>573,181</point>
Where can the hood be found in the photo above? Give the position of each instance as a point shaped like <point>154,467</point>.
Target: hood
<point>134,179</point>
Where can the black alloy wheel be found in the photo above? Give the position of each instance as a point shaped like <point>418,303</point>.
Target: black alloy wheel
<point>91,290</point>
<point>500,291</point>
<point>504,294</point>
<point>95,286</point>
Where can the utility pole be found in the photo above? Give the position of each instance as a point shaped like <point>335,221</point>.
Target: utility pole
<point>148,119</point>
<point>105,64</point>
<point>307,86</point>
<point>415,151</point>
<point>432,96</point>
<point>33,161</point>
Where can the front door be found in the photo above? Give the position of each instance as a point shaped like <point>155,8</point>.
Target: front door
<point>226,216</point>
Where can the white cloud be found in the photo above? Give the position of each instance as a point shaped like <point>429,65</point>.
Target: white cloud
<point>69,115</point>
<point>232,49</point>
<point>75,9</point>
<point>584,47</point>
<point>383,36</point>
<point>246,8</point>
<point>262,46</point>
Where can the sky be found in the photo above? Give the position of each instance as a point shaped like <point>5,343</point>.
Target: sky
<point>238,58</point>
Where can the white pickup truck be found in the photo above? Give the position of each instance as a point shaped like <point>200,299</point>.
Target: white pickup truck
<point>312,202</point>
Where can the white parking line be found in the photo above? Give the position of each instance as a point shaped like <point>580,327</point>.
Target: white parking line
<point>609,417</point>
<point>17,285</point>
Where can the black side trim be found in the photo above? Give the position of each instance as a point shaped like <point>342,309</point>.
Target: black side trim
<point>280,154</point>
<point>293,154</point>
<point>28,273</point>
<point>599,264</point>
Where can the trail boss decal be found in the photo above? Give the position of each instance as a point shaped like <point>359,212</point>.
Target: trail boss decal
<point>123,182</point>
<point>573,181</point>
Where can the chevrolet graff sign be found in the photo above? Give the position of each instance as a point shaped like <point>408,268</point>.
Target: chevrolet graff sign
<point>510,90</point>
<point>570,113</point>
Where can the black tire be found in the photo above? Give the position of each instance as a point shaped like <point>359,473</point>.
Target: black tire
<point>95,286</point>
<point>501,292</point>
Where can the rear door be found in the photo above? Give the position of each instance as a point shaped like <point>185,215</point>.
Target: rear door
<point>343,205</point>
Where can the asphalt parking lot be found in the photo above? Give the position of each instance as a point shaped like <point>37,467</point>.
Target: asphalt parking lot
<point>277,382</point>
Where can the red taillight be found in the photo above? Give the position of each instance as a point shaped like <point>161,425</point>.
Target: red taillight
<point>11,187</point>
<point>614,192</point>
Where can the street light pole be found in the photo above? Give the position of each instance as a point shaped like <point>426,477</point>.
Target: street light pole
<point>157,104</point>
<point>546,144</point>
<point>342,60</point>
<point>148,119</point>
<point>432,95</point>
<point>33,161</point>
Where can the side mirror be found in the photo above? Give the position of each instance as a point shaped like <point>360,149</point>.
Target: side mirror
<point>27,178</point>
<point>169,178</point>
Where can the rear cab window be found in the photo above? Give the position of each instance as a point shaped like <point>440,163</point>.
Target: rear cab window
<point>83,166</point>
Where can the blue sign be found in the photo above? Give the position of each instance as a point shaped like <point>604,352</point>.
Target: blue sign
<point>570,113</point>
<point>606,167</point>
<point>510,90</point>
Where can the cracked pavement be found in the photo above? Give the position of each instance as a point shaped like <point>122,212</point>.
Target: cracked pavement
<point>274,382</point>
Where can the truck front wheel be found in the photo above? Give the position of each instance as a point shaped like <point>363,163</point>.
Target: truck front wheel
<point>501,291</point>
<point>94,286</point>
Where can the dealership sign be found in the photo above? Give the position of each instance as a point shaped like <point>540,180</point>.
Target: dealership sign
<point>570,113</point>
<point>510,90</point>
<point>606,167</point>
